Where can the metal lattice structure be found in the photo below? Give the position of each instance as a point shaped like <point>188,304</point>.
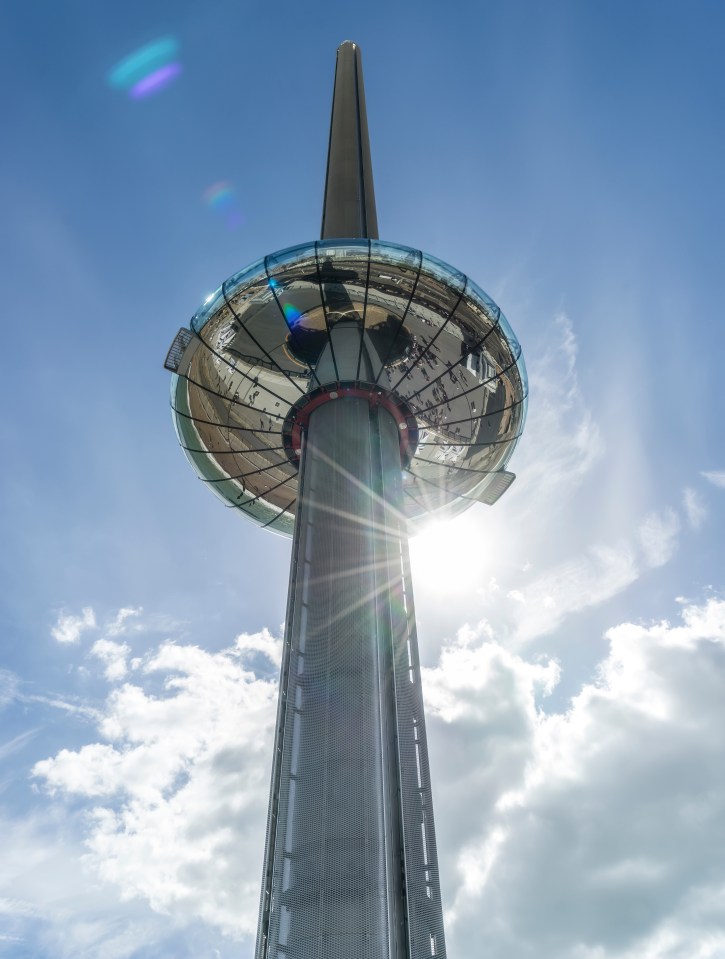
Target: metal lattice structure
<point>343,391</point>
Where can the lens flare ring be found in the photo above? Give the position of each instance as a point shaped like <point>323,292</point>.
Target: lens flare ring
<point>147,70</point>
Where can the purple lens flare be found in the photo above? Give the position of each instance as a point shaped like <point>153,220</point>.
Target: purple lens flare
<point>155,81</point>
<point>222,198</point>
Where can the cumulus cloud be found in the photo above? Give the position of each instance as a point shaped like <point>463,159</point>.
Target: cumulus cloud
<point>263,642</point>
<point>179,780</point>
<point>595,832</point>
<point>591,830</point>
<point>113,655</point>
<point>69,628</point>
<point>695,509</point>
<point>52,903</point>
<point>717,478</point>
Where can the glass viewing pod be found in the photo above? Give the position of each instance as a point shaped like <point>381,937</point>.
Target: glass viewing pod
<point>446,351</point>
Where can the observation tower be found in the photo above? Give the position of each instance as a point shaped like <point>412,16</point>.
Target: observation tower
<point>343,391</point>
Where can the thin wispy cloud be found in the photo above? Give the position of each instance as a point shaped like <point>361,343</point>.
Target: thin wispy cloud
<point>123,620</point>
<point>16,744</point>
<point>717,478</point>
<point>562,441</point>
<point>566,801</point>
<point>695,509</point>
<point>657,537</point>
<point>590,578</point>
<point>9,686</point>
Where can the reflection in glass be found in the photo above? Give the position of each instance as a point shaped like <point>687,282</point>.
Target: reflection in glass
<point>443,345</point>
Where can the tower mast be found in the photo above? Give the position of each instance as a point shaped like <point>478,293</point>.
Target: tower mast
<point>349,204</point>
<point>350,859</point>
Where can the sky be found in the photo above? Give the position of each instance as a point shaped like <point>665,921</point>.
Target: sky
<point>568,156</point>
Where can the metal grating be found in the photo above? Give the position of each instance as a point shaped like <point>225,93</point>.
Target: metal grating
<point>350,862</point>
<point>498,486</point>
<point>176,350</point>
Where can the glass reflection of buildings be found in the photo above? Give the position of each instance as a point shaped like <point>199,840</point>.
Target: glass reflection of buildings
<point>448,349</point>
<point>344,391</point>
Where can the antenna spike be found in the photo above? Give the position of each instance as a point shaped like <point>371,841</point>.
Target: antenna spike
<point>349,206</point>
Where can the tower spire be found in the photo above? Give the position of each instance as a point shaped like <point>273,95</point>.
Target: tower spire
<point>349,205</point>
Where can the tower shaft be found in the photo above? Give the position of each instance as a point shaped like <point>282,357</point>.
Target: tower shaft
<point>350,859</point>
<point>350,865</point>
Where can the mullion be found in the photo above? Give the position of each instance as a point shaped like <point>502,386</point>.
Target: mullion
<point>445,323</point>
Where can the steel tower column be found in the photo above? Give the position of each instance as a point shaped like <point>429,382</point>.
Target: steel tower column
<point>350,868</point>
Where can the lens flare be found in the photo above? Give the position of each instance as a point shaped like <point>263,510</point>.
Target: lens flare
<point>291,313</point>
<point>222,198</point>
<point>147,70</point>
<point>219,195</point>
<point>155,81</point>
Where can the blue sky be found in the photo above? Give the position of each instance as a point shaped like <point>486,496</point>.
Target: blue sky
<point>568,156</point>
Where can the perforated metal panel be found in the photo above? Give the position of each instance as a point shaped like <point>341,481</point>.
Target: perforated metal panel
<point>350,863</point>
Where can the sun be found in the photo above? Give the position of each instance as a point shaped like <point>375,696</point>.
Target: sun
<point>451,557</point>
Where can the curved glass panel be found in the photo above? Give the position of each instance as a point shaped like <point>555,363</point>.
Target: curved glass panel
<point>342,271</point>
<point>394,275</point>
<point>239,282</point>
<point>209,307</point>
<point>444,273</point>
<point>432,337</point>
<point>476,293</point>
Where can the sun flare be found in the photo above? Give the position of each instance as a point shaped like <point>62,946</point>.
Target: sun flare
<point>450,557</point>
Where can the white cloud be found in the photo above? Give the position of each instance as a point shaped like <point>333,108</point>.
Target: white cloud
<point>120,623</point>
<point>594,576</point>
<point>716,478</point>
<point>263,642</point>
<point>657,537</point>
<point>12,691</point>
<point>695,509</point>
<point>9,685</point>
<point>52,904</point>
<point>72,708</point>
<point>573,585</point>
<point>181,781</point>
<point>69,628</point>
<point>113,655</point>
<point>16,744</point>
<point>595,832</point>
<point>561,440</point>
<point>592,832</point>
